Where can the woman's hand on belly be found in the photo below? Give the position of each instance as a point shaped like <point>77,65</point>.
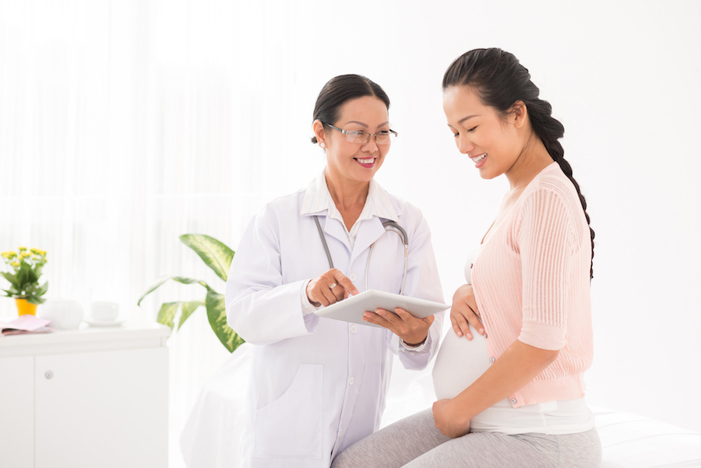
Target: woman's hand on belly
<point>447,419</point>
<point>464,312</point>
<point>413,331</point>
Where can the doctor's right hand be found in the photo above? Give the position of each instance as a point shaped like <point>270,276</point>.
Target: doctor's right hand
<point>464,312</point>
<point>329,288</point>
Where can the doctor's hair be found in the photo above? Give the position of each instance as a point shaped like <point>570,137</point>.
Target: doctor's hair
<point>340,90</point>
<point>500,80</point>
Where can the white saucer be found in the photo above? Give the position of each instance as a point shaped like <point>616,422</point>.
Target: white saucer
<point>102,323</point>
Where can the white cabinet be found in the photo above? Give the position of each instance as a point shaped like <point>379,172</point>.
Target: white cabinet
<point>94,397</point>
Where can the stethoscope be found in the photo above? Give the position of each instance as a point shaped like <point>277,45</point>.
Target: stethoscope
<point>388,225</point>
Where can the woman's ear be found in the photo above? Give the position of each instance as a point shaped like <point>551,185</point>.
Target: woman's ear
<point>319,132</point>
<point>519,114</point>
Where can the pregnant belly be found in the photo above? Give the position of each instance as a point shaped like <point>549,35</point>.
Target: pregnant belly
<point>459,363</point>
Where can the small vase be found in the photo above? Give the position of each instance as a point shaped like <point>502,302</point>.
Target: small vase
<point>24,307</point>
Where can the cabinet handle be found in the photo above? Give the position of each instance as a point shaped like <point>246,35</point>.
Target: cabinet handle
<point>48,374</point>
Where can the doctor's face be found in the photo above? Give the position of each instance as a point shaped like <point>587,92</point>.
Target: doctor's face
<point>357,162</point>
<point>489,139</point>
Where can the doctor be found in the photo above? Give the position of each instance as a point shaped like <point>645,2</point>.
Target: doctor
<point>318,385</point>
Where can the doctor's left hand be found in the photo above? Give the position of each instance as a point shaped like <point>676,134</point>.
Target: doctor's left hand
<point>413,331</point>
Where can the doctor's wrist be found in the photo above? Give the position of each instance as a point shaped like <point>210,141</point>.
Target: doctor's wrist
<point>414,346</point>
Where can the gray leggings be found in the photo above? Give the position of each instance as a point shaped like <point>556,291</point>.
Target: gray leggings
<point>415,442</point>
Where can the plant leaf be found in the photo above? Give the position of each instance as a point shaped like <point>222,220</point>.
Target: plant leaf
<point>187,309</point>
<point>42,290</point>
<point>33,299</point>
<point>179,279</point>
<point>11,278</point>
<point>216,314</point>
<point>22,277</point>
<point>216,255</point>
<point>166,314</point>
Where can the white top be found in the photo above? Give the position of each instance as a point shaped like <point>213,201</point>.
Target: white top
<point>460,362</point>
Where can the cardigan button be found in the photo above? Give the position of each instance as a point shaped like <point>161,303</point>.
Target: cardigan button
<point>491,359</point>
<point>513,401</point>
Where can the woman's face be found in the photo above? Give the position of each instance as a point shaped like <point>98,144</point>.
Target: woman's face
<point>356,162</point>
<point>492,142</point>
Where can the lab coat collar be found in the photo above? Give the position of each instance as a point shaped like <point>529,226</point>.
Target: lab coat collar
<point>318,201</point>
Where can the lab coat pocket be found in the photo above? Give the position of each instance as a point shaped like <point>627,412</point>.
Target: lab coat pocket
<point>290,427</point>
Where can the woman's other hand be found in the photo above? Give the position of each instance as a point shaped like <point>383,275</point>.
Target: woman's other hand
<point>413,331</point>
<point>464,311</point>
<point>329,288</point>
<point>447,421</point>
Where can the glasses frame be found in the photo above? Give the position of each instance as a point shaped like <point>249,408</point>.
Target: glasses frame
<point>390,132</point>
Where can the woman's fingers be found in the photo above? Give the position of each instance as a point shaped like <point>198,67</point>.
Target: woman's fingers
<point>344,282</point>
<point>329,288</point>
<point>380,317</point>
<point>465,312</point>
<point>474,320</point>
<point>460,323</point>
<point>400,322</point>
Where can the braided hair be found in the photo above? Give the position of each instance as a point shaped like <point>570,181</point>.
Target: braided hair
<point>500,81</point>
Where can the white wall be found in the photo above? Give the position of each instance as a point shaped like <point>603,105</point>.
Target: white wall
<point>237,81</point>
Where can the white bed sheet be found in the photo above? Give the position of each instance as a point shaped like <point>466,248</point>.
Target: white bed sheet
<point>210,438</point>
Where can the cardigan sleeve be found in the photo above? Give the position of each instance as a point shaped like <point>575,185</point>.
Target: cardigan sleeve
<point>546,250</point>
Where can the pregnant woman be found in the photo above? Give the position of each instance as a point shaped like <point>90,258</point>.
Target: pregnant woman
<point>512,395</point>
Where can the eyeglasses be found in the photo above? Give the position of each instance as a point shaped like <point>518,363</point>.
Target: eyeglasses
<point>384,137</point>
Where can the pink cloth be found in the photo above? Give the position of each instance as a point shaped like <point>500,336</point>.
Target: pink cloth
<point>531,283</point>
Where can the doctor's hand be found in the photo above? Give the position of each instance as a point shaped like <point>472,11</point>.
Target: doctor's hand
<point>446,418</point>
<point>413,331</point>
<point>329,288</point>
<point>464,311</point>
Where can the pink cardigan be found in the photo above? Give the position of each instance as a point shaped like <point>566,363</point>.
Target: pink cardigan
<point>531,283</point>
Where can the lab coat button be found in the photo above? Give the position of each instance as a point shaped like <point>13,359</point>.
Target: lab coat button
<point>353,277</point>
<point>513,401</point>
<point>491,359</point>
<point>354,329</point>
<point>351,380</point>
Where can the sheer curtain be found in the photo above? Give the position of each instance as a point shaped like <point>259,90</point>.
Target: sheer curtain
<point>124,124</point>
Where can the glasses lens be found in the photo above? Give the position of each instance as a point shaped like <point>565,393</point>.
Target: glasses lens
<point>356,137</point>
<point>385,138</point>
<point>382,138</point>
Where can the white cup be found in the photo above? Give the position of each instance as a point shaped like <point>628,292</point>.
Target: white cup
<point>64,314</point>
<point>104,311</point>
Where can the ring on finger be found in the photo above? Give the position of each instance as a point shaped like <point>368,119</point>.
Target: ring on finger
<point>333,285</point>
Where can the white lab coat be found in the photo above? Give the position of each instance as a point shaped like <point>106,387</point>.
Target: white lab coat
<point>318,385</point>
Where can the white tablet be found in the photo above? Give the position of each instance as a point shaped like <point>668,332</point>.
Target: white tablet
<point>353,308</point>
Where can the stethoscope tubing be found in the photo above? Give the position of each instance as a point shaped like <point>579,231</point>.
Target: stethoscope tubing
<point>388,225</point>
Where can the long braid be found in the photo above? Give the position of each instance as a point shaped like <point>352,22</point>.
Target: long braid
<point>550,130</point>
<point>501,81</point>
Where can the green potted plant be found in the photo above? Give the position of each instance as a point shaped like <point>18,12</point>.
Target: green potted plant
<point>217,256</point>
<point>25,266</point>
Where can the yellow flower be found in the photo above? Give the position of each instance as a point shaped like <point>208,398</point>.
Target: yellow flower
<point>15,264</point>
<point>22,248</point>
